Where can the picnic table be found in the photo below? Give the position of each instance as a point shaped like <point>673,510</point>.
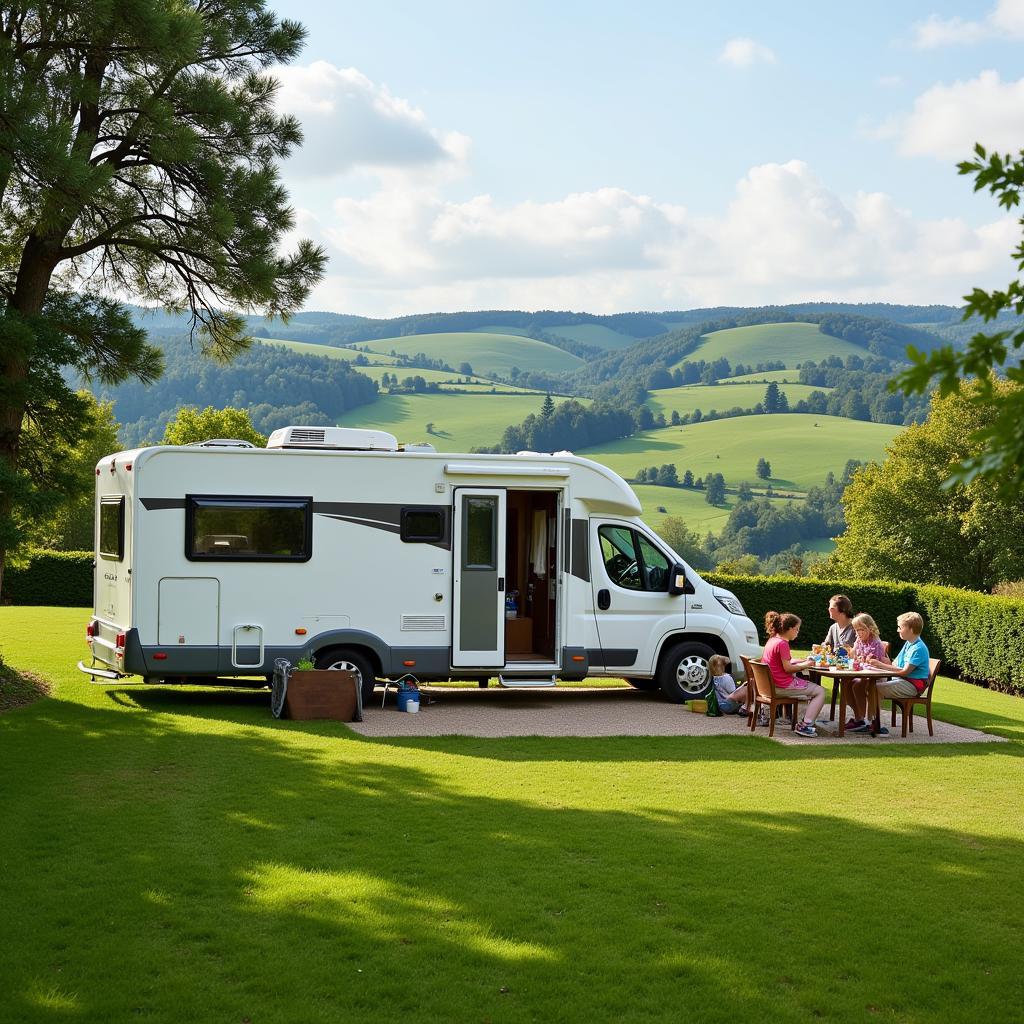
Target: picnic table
<point>845,675</point>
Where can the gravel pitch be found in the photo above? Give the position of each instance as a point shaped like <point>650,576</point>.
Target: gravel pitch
<point>581,711</point>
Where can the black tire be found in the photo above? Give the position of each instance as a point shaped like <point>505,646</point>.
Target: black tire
<point>342,657</point>
<point>644,684</point>
<point>482,683</point>
<point>683,674</point>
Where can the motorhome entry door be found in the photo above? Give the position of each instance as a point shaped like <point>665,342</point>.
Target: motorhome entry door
<point>478,616</point>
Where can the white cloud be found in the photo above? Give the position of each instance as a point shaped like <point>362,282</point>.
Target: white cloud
<point>349,122</point>
<point>785,237</point>
<point>1006,19</point>
<point>743,52</point>
<point>947,120</point>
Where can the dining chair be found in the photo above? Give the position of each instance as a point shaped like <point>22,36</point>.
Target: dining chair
<point>836,688</point>
<point>765,692</point>
<point>906,704</point>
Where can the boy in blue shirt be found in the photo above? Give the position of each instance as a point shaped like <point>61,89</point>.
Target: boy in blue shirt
<point>910,667</point>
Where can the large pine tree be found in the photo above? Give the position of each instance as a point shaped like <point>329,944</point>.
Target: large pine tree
<point>138,153</point>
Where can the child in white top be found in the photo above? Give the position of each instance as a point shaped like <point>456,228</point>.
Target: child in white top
<point>731,698</point>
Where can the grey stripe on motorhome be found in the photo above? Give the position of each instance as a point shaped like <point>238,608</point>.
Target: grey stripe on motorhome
<point>567,533</point>
<point>613,657</point>
<point>580,551</point>
<point>377,516</point>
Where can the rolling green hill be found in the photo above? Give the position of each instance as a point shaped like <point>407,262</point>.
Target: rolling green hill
<point>722,396</point>
<point>486,353</point>
<point>764,377</point>
<point>688,505</point>
<point>801,448</point>
<point>387,364</point>
<point>461,422</point>
<point>595,334</point>
<point>791,343</point>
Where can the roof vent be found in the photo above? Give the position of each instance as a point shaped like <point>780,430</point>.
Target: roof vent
<point>333,439</point>
<point>220,442</point>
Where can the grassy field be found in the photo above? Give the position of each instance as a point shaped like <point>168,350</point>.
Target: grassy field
<point>792,343</point>
<point>461,422</point>
<point>688,505</point>
<point>722,397</point>
<point>486,353</point>
<point>800,447</point>
<point>180,856</point>
<point>765,376</point>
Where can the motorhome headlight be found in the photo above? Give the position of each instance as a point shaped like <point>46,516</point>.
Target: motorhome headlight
<point>730,604</point>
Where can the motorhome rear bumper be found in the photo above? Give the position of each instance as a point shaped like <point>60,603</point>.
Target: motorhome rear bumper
<point>103,673</point>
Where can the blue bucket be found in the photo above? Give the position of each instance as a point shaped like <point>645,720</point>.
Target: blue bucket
<point>409,700</point>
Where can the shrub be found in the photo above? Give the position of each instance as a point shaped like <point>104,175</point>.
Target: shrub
<point>51,577</point>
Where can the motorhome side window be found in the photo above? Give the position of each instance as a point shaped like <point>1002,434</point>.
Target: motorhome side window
<point>248,529</point>
<point>112,527</point>
<point>631,560</point>
<point>422,525</point>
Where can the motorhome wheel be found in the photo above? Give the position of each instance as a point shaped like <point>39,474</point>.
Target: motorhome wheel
<point>644,684</point>
<point>684,672</point>
<point>354,662</point>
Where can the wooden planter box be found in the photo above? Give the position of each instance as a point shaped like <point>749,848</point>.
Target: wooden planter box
<point>322,693</point>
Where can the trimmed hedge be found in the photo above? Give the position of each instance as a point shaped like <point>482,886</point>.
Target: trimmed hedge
<point>977,636</point>
<point>51,577</point>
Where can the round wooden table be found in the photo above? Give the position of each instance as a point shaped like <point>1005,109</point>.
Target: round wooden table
<point>843,675</point>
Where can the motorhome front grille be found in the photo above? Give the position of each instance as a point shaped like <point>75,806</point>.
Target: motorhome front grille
<point>299,436</point>
<point>423,622</point>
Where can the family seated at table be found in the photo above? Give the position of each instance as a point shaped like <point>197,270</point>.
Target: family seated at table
<point>859,635</point>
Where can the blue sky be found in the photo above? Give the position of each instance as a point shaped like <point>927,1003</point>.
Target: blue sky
<point>607,157</point>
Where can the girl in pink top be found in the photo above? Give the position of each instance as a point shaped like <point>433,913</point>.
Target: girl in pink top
<point>782,628</point>
<point>865,647</point>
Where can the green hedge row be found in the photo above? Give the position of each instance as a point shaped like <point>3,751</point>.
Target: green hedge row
<point>51,577</point>
<point>977,636</point>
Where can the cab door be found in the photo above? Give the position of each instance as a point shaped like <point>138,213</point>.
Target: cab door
<point>632,603</point>
<point>478,585</point>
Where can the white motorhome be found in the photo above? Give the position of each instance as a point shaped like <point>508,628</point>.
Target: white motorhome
<point>342,546</point>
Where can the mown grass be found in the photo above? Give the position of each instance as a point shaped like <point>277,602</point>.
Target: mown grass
<point>486,353</point>
<point>801,448</point>
<point>461,421</point>
<point>791,342</point>
<point>179,855</point>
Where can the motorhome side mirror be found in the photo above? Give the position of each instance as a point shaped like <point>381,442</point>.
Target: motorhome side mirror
<point>678,583</point>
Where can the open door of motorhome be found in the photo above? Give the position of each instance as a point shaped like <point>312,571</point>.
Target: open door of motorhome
<point>478,592</point>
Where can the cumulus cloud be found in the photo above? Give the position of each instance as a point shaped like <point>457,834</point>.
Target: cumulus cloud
<point>785,237</point>
<point>743,52</point>
<point>947,120</point>
<point>350,122</point>
<point>1006,19</point>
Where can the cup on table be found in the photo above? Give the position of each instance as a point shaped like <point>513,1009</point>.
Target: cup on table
<point>857,666</point>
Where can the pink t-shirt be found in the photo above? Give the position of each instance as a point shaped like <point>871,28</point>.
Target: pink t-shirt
<point>776,651</point>
<point>872,648</point>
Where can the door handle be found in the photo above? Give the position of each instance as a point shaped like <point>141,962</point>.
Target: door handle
<point>604,600</point>
<point>501,583</point>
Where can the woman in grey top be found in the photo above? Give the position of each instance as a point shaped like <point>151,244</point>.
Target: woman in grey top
<point>841,633</point>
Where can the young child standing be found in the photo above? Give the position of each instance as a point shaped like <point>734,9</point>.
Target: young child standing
<point>782,628</point>
<point>732,699</point>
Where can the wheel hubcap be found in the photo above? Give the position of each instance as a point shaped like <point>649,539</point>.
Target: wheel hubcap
<point>341,666</point>
<point>692,674</point>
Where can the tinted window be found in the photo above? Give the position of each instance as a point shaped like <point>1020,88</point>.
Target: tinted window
<point>112,527</point>
<point>422,525</point>
<point>248,529</point>
<point>480,545</point>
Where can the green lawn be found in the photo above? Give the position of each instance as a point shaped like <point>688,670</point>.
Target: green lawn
<point>792,343</point>
<point>800,447</point>
<point>180,856</point>
<point>486,353</point>
<point>722,397</point>
<point>461,422</point>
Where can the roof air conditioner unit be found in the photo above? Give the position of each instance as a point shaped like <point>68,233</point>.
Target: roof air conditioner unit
<point>333,439</point>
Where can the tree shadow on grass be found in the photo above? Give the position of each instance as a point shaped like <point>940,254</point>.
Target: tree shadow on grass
<point>174,875</point>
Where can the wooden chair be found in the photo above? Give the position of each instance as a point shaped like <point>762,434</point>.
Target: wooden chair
<point>924,697</point>
<point>836,687</point>
<point>766,693</point>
